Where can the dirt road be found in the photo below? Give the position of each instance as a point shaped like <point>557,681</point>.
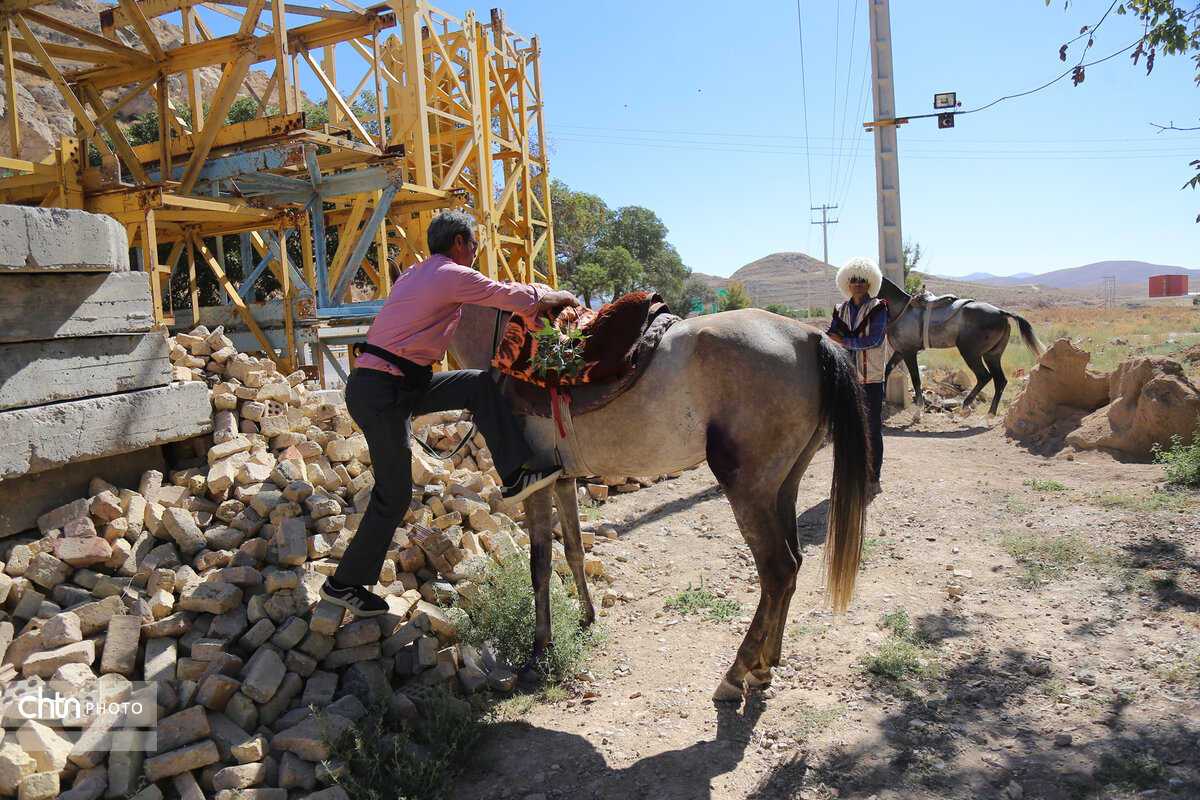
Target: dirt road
<point>1078,679</point>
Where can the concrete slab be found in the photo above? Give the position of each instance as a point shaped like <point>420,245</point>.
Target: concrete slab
<point>38,439</point>
<point>60,240</point>
<point>36,373</point>
<point>62,305</point>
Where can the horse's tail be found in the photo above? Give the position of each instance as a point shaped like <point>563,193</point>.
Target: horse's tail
<point>1028,334</point>
<point>843,412</point>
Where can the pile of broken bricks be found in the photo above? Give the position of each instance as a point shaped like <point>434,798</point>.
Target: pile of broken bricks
<point>205,583</point>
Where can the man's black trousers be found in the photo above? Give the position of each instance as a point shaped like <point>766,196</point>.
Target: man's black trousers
<point>383,406</point>
<point>874,398</point>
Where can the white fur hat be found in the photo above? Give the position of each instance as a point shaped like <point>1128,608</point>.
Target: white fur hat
<point>860,267</point>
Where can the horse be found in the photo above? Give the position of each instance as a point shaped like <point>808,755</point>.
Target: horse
<point>979,330</point>
<point>753,394</point>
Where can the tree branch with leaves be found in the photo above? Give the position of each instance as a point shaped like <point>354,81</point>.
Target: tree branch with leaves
<point>1168,27</point>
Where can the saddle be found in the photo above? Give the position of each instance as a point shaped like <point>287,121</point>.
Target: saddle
<point>619,340</point>
<point>928,300</point>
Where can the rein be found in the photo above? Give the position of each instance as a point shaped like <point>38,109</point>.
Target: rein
<point>901,314</point>
<point>474,428</point>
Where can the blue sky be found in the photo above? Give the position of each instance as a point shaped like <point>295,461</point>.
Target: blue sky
<point>703,113</point>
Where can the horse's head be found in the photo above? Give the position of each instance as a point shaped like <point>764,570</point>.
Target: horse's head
<point>895,296</point>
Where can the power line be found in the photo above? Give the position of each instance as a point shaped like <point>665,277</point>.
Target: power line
<point>931,140</point>
<point>1055,80</point>
<point>835,173</point>
<point>933,151</point>
<point>804,98</point>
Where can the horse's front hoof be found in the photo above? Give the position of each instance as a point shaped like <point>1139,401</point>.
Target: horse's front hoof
<point>759,679</point>
<point>533,671</point>
<point>727,693</point>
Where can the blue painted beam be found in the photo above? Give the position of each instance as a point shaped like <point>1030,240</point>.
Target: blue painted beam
<point>360,247</point>
<point>237,164</point>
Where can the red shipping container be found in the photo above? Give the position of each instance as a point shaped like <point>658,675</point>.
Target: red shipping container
<point>1168,285</point>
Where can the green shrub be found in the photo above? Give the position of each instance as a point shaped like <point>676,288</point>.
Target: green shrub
<point>1045,486</point>
<point>720,609</point>
<point>503,615</point>
<point>383,756</point>
<point>906,652</point>
<point>1044,558</point>
<point>1181,462</point>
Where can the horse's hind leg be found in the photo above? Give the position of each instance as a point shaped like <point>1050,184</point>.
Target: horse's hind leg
<point>758,518</point>
<point>982,376</point>
<point>785,509</point>
<point>568,514</point>
<point>993,359</point>
<point>914,372</point>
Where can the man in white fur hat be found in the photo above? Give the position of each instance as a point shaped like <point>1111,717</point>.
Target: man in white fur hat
<point>860,326</point>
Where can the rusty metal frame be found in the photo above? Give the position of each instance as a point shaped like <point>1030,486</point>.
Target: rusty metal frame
<point>458,122</point>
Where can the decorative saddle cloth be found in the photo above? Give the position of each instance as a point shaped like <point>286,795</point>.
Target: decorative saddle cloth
<point>619,340</point>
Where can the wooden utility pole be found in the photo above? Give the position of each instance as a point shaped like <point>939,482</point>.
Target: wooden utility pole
<point>825,223</point>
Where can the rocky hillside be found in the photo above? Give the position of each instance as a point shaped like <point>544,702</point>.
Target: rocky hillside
<point>44,115</point>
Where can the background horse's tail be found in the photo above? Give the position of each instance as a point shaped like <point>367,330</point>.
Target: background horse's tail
<point>1028,335</point>
<point>843,412</point>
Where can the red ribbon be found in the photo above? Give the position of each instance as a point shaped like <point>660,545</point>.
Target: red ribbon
<point>562,432</point>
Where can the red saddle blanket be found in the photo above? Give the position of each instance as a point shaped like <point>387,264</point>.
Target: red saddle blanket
<point>619,340</point>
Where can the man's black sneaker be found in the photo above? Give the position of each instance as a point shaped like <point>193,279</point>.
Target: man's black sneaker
<point>356,598</point>
<point>529,481</point>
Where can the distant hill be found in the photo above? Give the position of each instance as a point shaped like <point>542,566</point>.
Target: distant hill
<point>985,277</point>
<point>794,280</point>
<point>797,281</point>
<point>1090,275</point>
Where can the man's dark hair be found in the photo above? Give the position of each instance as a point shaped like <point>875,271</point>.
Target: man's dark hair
<point>445,226</point>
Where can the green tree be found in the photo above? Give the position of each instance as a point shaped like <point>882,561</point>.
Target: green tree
<point>640,231</point>
<point>589,281</point>
<point>628,246</point>
<point>913,281</point>
<point>623,270</point>
<point>637,229</point>
<point>699,296</point>
<point>578,220</point>
<point>1168,27</point>
<point>735,297</point>
<point>666,274</point>
<point>245,110</point>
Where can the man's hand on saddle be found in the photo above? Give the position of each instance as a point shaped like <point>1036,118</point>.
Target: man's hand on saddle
<point>556,299</point>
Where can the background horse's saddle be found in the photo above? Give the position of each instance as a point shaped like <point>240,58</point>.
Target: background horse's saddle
<point>927,299</point>
<point>619,340</point>
<point>936,310</point>
<point>945,307</point>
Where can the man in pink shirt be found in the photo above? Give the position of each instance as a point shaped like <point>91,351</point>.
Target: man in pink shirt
<point>394,379</point>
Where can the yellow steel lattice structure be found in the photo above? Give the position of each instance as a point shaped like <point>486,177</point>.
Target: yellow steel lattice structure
<point>425,111</point>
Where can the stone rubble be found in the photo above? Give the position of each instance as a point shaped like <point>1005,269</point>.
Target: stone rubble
<point>206,580</point>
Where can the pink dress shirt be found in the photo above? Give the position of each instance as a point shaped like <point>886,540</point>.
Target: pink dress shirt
<point>420,316</point>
